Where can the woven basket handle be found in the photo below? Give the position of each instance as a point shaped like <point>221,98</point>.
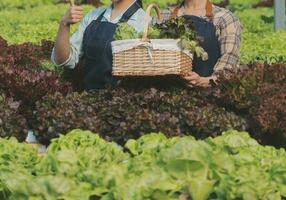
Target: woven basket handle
<point>147,18</point>
<point>72,2</point>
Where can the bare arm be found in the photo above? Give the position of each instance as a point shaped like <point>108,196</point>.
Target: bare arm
<point>62,44</point>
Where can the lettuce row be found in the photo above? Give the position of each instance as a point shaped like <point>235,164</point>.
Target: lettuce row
<point>81,165</point>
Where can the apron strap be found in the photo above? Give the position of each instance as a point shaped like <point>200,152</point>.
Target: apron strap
<point>126,16</point>
<point>131,11</point>
<point>209,10</point>
<point>99,18</point>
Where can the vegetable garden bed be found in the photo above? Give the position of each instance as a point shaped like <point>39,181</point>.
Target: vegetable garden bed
<point>83,166</point>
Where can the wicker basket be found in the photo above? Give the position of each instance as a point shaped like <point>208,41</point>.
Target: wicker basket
<point>149,57</point>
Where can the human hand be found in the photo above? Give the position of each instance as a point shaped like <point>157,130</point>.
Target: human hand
<point>193,79</point>
<point>73,15</point>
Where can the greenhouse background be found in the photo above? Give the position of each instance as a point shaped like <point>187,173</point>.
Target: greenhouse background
<point>149,139</point>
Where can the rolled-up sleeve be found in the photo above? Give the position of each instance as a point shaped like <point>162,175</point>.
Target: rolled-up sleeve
<point>229,39</point>
<point>76,42</point>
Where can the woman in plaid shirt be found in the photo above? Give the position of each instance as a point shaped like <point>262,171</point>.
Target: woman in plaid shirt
<point>220,31</point>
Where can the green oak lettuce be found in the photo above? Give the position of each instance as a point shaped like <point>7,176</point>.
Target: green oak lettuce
<point>83,166</point>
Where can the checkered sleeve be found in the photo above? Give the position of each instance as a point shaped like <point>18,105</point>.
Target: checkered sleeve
<point>229,38</point>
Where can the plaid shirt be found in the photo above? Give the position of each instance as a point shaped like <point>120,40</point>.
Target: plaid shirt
<point>228,30</point>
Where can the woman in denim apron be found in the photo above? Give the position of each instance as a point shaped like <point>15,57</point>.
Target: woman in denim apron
<point>222,48</point>
<point>92,41</point>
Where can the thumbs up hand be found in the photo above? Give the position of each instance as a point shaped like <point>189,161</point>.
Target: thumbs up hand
<point>73,15</point>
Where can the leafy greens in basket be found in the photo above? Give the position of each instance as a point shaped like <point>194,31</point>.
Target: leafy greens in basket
<point>174,28</point>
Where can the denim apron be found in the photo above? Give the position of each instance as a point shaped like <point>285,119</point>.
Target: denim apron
<point>98,52</point>
<point>210,43</point>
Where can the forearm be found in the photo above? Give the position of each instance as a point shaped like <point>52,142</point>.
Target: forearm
<point>62,44</point>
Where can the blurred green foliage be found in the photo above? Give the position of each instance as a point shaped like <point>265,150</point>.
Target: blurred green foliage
<point>31,21</point>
